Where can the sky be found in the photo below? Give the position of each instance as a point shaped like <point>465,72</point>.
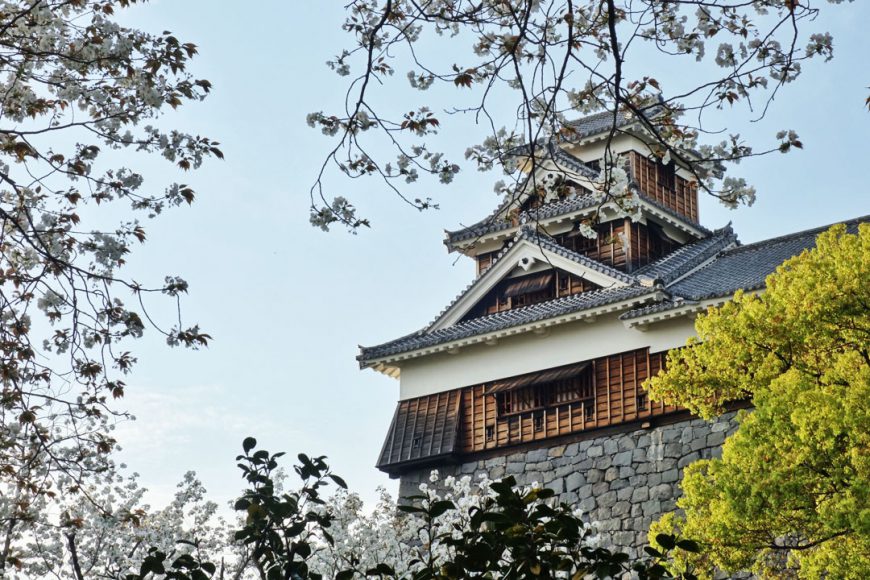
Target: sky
<point>287,304</point>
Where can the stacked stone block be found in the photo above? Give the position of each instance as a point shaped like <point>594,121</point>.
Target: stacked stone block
<point>621,482</point>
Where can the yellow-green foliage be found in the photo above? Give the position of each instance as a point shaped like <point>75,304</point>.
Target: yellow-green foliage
<point>790,496</point>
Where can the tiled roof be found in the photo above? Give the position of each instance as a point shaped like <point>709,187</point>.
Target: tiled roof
<point>678,217</point>
<point>554,209</point>
<point>504,320</point>
<point>746,267</point>
<point>728,270</point>
<point>584,127</point>
<point>494,224</point>
<point>663,306</point>
<point>550,150</point>
<point>599,123</point>
<point>688,257</point>
<point>545,242</point>
<point>571,162</point>
<point>741,268</point>
<point>603,121</point>
<point>669,268</point>
<point>548,243</point>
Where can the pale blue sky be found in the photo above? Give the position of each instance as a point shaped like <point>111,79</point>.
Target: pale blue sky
<point>287,304</point>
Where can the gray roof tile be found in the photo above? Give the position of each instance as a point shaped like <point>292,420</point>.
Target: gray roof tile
<point>494,224</point>
<point>548,243</point>
<point>673,214</point>
<point>599,123</point>
<point>571,162</point>
<point>746,267</point>
<point>554,209</point>
<point>741,268</point>
<point>688,257</point>
<point>503,320</point>
<point>663,306</point>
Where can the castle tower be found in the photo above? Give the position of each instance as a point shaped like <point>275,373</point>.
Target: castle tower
<point>535,369</point>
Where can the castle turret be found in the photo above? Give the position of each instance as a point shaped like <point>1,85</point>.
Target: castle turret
<point>536,369</point>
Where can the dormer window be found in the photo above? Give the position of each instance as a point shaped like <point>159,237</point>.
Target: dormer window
<point>530,289</point>
<point>528,286</point>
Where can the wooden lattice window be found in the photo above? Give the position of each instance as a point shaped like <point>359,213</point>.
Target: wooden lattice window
<point>521,395</point>
<point>577,389</point>
<point>522,400</point>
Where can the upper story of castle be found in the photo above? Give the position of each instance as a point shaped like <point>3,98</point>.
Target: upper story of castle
<point>560,241</point>
<point>558,330</point>
<point>562,197</point>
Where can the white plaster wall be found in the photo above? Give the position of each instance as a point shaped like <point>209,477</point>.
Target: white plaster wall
<point>622,143</point>
<point>529,352</point>
<point>595,150</point>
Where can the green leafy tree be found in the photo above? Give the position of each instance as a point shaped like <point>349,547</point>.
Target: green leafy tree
<point>790,496</point>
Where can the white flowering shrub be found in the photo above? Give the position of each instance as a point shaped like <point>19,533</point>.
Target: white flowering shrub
<point>455,528</point>
<point>105,530</point>
<point>363,539</point>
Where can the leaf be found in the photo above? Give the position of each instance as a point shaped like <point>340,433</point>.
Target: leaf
<point>338,481</point>
<point>689,546</point>
<point>666,541</point>
<point>463,80</point>
<point>249,443</point>
<point>381,570</point>
<point>440,507</point>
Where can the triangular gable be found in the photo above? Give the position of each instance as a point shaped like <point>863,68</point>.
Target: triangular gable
<point>558,160</point>
<point>528,249</point>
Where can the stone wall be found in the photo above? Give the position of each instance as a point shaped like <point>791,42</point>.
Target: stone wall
<point>622,482</point>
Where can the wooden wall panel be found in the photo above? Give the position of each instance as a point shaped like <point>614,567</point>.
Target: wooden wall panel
<point>617,384</point>
<point>467,421</point>
<point>610,247</point>
<point>647,245</point>
<point>676,193</point>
